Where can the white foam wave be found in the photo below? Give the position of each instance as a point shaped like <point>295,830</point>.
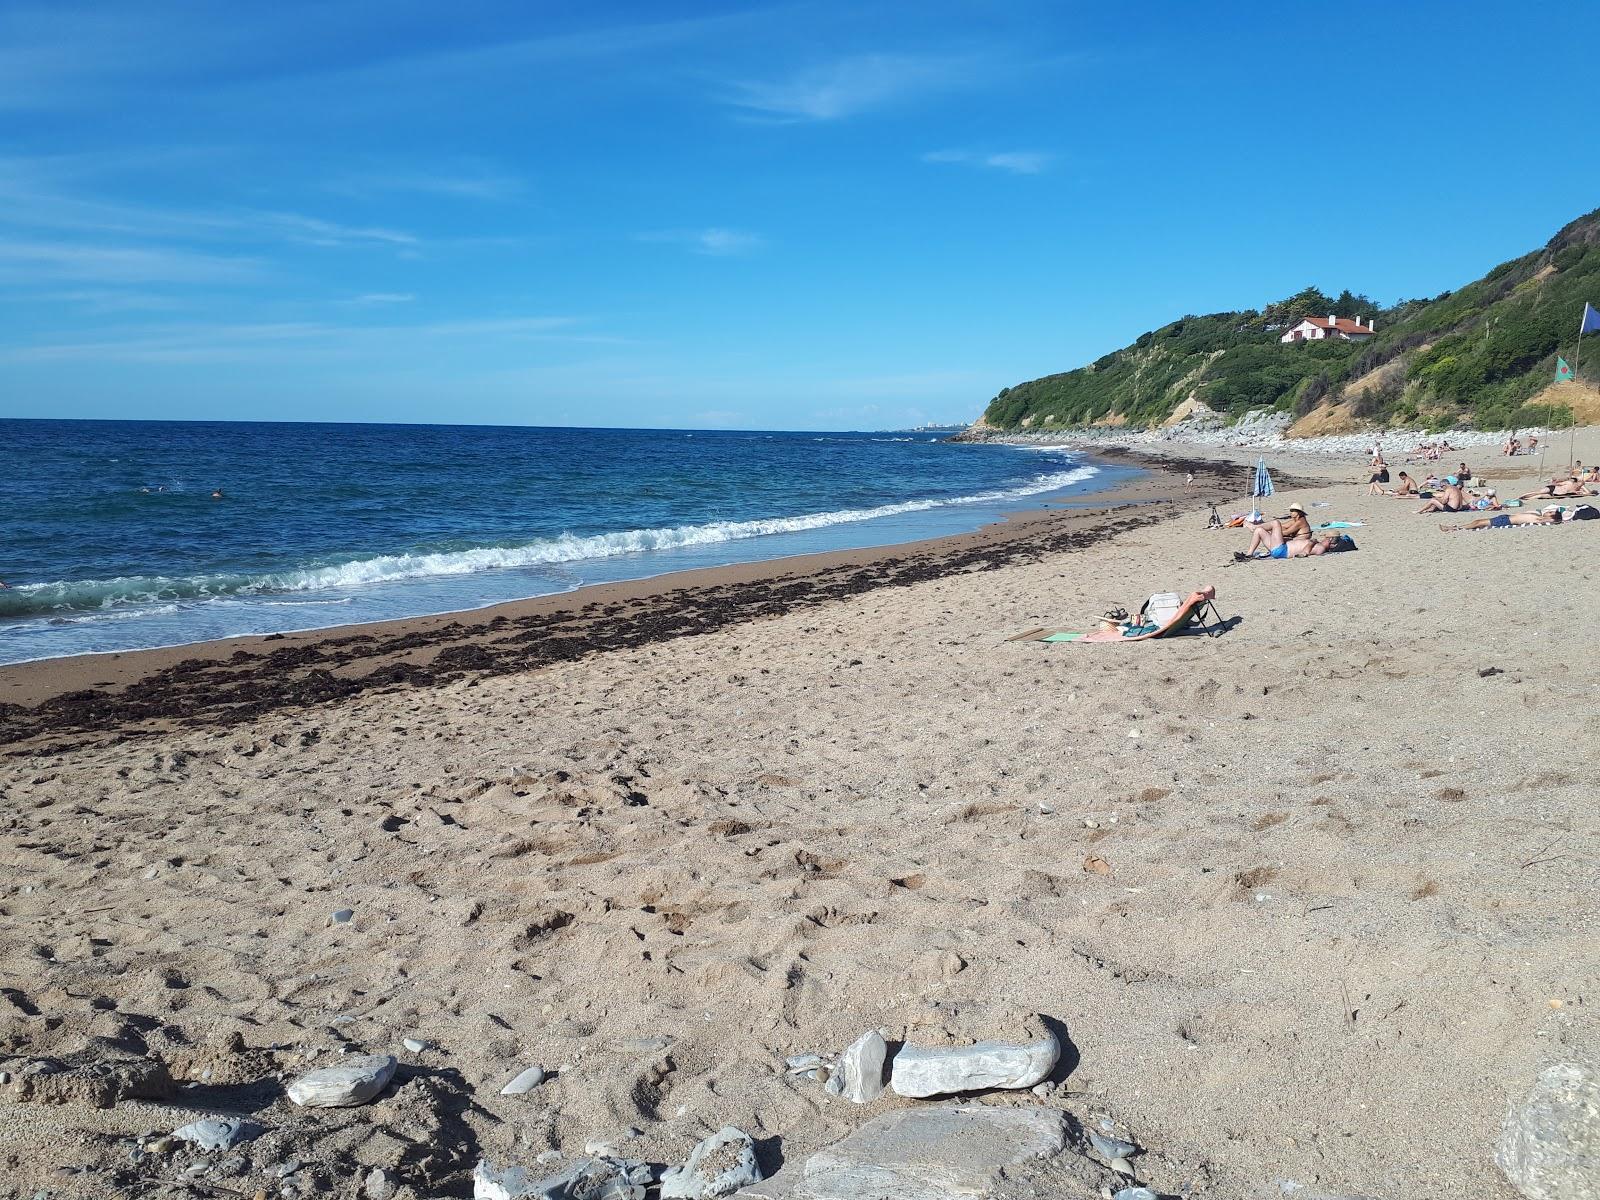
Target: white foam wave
<point>116,593</point>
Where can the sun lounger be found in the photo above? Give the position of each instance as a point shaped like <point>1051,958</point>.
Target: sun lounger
<point>1193,611</point>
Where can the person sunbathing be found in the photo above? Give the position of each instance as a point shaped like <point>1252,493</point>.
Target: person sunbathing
<point>1557,488</point>
<point>1506,520</point>
<point>1267,541</point>
<point>1451,499</point>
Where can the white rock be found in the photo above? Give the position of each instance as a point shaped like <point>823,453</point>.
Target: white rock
<point>861,1065</point>
<point>1550,1146</point>
<point>934,1152</point>
<point>416,1045</point>
<point>524,1082</point>
<point>799,1064</point>
<point>718,1166</point>
<point>219,1133</point>
<point>948,1070</point>
<point>354,1081</point>
<point>588,1179</point>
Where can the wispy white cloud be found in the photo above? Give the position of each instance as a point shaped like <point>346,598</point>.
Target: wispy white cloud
<point>1018,162</point>
<point>43,194</point>
<point>384,298</point>
<point>296,340</point>
<point>25,261</point>
<point>456,183</point>
<point>716,242</point>
<point>847,86</point>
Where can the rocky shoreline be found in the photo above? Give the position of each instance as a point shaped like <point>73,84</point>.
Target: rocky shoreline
<point>1260,430</point>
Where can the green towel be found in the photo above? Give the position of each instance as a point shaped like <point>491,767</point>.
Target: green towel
<point>1063,637</point>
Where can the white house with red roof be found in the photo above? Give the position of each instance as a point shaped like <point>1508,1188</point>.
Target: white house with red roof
<point>1316,329</point>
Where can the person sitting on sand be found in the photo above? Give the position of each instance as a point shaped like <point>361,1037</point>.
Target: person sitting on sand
<point>1408,487</point>
<point>1295,525</point>
<point>1557,489</point>
<point>1533,443</point>
<point>1511,446</point>
<point>1486,502</point>
<point>1380,474</point>
<point>1450,499</point>
<point>1550,516</point>
<point>1464,473</point>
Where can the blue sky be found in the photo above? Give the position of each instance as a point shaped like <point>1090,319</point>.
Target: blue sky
<point>806,215</point>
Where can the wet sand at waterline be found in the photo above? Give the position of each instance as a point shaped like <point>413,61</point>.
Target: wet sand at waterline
<point>1313,900</point>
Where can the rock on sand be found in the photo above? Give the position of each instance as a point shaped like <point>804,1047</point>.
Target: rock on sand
<point>1550,1146</point>
<point>932,1153</point>
<point>718,1166</point>
<point>354,1081</point>
<point>947,1070</point>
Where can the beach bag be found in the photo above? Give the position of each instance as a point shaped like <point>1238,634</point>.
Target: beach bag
<point>1584,512</point>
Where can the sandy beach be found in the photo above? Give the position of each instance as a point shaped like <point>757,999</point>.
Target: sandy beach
<point>1312,903</point>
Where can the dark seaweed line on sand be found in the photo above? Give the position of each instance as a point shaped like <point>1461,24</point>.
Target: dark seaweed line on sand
<point>251,684</point>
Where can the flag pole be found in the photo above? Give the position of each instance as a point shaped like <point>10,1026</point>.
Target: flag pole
<point>1577,359</point>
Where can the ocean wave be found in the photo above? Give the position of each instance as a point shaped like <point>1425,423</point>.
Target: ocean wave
<point>143,590</point>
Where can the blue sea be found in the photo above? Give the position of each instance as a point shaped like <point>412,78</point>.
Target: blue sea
<point>111,538</point>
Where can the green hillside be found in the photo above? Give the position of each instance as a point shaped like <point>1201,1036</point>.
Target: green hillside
<point>1475,356</point>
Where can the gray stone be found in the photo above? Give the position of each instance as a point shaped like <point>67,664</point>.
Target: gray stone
<point>354,1081</point>
<point>1134,1193</point>
<point>1550,1145</point>
<point>416,1045</point>
<point>380,1184</point>
<point>935,1152</point>
<point>219,1133</point>
<point>948,1070</point>
<point>861,1065</point>
<point>834,1085</point>
<point>1108,1147</point>
<point>342,916</point>
<point>718,1166</point>
<point>587,1179</point>
<point>524,1082</point>
<point>801,1064</point>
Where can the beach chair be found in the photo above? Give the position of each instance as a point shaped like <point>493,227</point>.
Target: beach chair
<point>1199,609</point>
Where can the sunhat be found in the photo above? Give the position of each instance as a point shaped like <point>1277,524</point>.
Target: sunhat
<point>1299,508</point>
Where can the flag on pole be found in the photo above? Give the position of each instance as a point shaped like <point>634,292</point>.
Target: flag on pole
<point>1590,322</point>
<point>1563,371</point>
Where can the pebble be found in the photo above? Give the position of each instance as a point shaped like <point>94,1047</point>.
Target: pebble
<point>219,1133</point>
<point>5,1077</point>
<point>1043,1089</point>
<point>525,1082</point>
<point>800,1064</point>
<point>1134,1193</point>
<point>354,1081</point>
<point>289,1168</point>
<point>835,1084</point>
<point>416,1045</point>
<point>163,1145</point>
<point>342,916</point>
<point>379,1184</point>
<point>1110,1148</point>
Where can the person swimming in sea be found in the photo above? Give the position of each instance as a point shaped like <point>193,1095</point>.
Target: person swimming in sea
<point>217,495</point>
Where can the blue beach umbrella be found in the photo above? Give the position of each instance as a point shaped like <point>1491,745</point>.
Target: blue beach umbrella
<point>1261,486</point>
